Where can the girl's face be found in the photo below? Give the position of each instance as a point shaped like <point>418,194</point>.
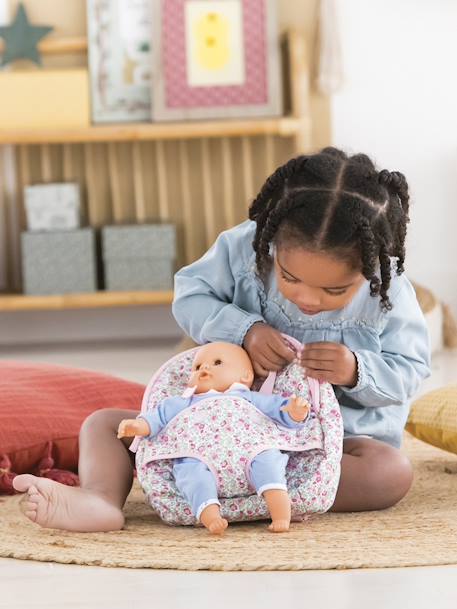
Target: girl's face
<point>314,281</point>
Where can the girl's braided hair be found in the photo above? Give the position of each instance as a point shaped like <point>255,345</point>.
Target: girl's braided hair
<point>337,204</point>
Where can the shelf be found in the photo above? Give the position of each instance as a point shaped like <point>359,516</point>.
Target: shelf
<point>58,46</point>
<point>90,300</point>
<point>282,126</point>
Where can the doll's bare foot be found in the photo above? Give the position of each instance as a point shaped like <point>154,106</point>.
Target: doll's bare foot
<point>278,503</point>
<point>279,526</point>
<point>211,518</point>
<point>57,506</point>
<point>218,526</point>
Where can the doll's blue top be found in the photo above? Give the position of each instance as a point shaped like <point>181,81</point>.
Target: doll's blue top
<point>169,408</point>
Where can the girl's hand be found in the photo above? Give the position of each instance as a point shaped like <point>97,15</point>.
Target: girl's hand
<point>330,362</point>
<point>267,349</point>
<point>133,427</point>
<point>298,409</point>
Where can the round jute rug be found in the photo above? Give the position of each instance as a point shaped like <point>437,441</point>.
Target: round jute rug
<point>420,530</point>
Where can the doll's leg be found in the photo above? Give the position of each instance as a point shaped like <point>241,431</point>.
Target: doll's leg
<point>197,485</point>
<point>268,475</point>
<point>374,476</point>
<point>105,472</point>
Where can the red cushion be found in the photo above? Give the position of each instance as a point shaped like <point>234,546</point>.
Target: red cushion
<point>42,403</point>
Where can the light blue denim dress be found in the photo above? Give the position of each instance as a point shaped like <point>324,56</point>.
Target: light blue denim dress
<point>220,296</point>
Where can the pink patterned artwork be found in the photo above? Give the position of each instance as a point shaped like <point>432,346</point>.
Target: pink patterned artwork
<point>216,58</point>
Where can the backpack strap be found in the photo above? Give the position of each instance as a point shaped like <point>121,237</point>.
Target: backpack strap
<point>314,386</point>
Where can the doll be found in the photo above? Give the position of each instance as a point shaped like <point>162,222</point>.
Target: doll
<point>225,369</point>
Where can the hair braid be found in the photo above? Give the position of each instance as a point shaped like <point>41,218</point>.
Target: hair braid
<point>270,228</point>
<point>335,152</point>
<point>369,251</point>
<point>396,184</point>
<point>261,221</point>
<point>275,184</point>
<point>385,270</point>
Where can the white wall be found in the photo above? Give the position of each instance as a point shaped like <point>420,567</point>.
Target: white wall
<point>399,105</point>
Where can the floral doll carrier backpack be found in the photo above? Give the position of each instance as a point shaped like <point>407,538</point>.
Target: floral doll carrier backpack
<point>315,451</point>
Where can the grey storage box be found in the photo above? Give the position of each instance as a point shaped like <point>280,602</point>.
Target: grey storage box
<point>139,257</point>
<point>59,262</point>
<point>52,207</point>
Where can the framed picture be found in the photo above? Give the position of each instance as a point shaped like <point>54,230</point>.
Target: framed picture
<point>119,33</point>
<point>215,59</point>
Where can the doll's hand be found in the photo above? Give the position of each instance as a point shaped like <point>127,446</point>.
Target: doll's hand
<point>267,349</point>
<point>330,362</point>
<point>298,408</point>
<point>133,427</point>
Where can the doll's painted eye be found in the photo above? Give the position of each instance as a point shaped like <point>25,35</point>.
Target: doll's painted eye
<point>197,367</point>
<point>217,362</point>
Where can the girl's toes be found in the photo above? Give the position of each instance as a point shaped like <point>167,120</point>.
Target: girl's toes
<point>30,509</point>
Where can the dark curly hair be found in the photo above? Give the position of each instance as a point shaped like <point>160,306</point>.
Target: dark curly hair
<point>336,204</point>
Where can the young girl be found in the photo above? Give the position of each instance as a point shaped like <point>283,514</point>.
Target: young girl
<point>320,259</point>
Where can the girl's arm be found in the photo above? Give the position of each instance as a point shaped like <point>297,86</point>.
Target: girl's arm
<point>205,291</point>
<point>393,376</point>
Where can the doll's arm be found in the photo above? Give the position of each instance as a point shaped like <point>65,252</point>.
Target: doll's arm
<point>298,409</point>
<point>281,409</point>
<point>133,427</point>
<point>152,422</point>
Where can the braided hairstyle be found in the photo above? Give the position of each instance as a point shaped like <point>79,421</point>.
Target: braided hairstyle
<point>338,204</point>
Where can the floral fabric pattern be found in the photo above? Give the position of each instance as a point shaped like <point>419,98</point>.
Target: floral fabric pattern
<point>226,433</point>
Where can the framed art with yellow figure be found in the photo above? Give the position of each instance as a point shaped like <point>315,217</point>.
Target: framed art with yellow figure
<point>215,59</point>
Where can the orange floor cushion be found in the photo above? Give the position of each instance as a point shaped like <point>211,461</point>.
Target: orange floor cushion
<point>42,407</point>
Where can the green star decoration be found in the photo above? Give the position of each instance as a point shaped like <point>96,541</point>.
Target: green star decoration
<point>21,38</point>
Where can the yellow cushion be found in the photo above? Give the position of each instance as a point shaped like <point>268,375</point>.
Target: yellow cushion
<point>433,418</point>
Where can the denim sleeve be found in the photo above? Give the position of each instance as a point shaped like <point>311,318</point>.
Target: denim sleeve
<point>205,292</point>
<point>394,375</point>
<point>271,406</point>
<point>159,417</point>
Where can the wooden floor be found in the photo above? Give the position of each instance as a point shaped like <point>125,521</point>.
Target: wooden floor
<point>28,584</point>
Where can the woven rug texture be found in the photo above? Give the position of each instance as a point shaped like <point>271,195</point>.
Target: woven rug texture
<point>420,530</point>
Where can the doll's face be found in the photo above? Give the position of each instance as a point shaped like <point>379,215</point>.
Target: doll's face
<point>219,365</point>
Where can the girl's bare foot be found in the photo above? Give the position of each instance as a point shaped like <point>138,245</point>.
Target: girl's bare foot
<point>57,506</point>
<point>279,526</point>
<point>212,520</point>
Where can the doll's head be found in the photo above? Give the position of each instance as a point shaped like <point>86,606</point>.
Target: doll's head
<point>219,365</point>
